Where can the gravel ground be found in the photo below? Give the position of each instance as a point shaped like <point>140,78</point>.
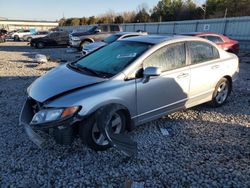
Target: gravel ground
<point>209,147</point>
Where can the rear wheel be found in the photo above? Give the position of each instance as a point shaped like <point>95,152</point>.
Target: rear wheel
<point>221,92</point>
<point>91,135</point>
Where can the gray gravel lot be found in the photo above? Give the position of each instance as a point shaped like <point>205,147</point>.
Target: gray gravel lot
<point>210,147</point>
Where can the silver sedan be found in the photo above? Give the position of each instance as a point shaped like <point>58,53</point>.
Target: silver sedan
<point>125,84</point>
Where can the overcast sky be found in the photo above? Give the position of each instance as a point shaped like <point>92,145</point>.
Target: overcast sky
<point>55,9</point>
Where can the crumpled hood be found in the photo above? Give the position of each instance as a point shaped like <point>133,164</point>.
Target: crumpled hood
<point>59,80</point>
<point>94,45</point>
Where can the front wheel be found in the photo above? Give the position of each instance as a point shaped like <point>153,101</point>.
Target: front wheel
<point>91,135</point>
<point>221,92</point>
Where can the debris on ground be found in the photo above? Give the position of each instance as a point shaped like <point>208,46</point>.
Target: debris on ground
<point>39,58</point>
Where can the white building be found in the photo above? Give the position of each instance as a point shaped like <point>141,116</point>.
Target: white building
<point>26,24</point>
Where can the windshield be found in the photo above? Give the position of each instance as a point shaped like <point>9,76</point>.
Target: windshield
<point>111,39</point>
<point>113,58</point>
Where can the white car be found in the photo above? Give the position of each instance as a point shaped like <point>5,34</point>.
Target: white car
<point>18,35</point>
<point>112,38</point>
<point>35,35</point>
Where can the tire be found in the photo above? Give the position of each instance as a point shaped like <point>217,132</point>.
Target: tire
<point>16,38</point>
<point>221,93</point>
<point>90,134</point>
<point>29,39</point>
<point>40,45</point>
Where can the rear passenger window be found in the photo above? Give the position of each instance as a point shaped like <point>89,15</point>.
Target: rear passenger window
<point>214,39</point>
<point>201,52</point>
<point>167,58</point>
<point>114,28</point>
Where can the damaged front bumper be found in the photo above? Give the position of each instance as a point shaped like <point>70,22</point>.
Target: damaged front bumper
<point>25,119</point>
<point>37,132</point>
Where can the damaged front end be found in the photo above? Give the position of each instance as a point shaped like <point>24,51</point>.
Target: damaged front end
<point>57,122</point>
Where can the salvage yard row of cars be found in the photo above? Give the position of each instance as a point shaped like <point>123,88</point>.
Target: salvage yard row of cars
<point>126,80</point>
<point>100,33</point>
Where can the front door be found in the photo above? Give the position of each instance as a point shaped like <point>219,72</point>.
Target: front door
<point>167,92</point>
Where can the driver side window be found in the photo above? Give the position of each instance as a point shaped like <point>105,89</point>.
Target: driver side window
<point>170,57</point>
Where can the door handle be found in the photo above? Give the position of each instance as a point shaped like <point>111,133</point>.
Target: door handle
<point>215,67</point>
<point>182,75</point>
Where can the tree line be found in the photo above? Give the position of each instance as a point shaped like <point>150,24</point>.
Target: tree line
<point>168,10</point>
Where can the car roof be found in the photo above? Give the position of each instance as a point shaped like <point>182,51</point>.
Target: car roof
<point>130,33</point>
<point>200,33</point>
<point>155,39</point>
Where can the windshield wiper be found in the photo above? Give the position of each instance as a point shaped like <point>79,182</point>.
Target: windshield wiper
<point>93,72</point>
<point>85,69</point>
<point>89,70</point>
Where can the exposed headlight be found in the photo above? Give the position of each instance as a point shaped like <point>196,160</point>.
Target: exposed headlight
<point>75,38</point>
<point>48,115</point>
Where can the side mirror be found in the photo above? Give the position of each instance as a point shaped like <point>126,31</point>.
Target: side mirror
<point>98,30</point>
<point>150,71</point>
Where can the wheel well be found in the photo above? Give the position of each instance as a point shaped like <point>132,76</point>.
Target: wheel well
<point>230,80</point>
<point>129,123</point>
<point>87,39</point>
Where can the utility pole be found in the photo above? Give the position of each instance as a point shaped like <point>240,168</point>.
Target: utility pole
<point>204,10</point>
<point>225,15</point>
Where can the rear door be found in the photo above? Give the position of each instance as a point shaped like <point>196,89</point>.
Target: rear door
<point>63,38</point>
<point>167,92</point>
<point>52,39</point>
<point>204,69</point>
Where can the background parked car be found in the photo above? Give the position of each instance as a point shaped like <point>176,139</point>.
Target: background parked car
<point>3,34</point>
<point>35,35</point>
<point>59,38</point>
<point>18,35</point>
<point>224,42</point>
<point>121,35</point>
<point>96,33</point>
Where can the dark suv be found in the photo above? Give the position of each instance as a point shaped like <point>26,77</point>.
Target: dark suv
<point>59,38</point>
<point>96,33</point>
